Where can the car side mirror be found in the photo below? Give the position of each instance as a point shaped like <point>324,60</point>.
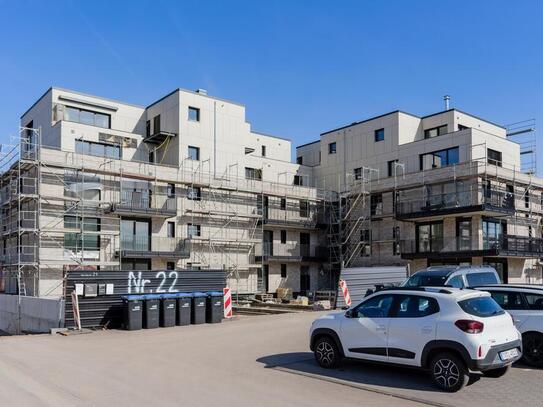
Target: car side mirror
<point>349,313</point>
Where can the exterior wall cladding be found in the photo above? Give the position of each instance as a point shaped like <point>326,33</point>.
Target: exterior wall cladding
<point>186,184</point>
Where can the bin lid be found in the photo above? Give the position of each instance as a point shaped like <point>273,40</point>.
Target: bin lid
<point>169,295</point>
<point>183,295</point>
<point>133,297</point>
<point>199,294</point>
<point>215,294</point>
<point>151,296</point>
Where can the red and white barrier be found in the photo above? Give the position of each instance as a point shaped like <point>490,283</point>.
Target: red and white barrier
<point>227,302</point>
<point>345,290</point>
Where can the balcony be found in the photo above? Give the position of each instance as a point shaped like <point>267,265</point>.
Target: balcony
<point>136,202</point>
<point>456,247</point>
<point>477,200</point>
<point>289,252</point>
<point>290,218</point>
<point>155,246</point>
<point>159,137</point>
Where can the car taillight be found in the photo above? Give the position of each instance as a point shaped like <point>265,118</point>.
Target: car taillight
<point>470,327</point>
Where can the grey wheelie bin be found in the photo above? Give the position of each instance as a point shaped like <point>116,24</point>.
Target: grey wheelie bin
<point>198,311</point>
<point>168,309</point>
<point>151,311</point>
<point>132,312</point>
<point>184,305</point>
<point>215,307</point>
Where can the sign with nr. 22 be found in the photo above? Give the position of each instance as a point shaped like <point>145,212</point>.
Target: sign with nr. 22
<point>166,281</point>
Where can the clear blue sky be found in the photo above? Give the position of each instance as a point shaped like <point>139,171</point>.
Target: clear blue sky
<point>300,67</point>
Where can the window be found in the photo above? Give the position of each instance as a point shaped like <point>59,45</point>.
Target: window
<point>440,158</point>
<point>283,204</point>
<point>283,236</point>
<point>435,132</point>
<point>194,114</point>
<point>82,241</point>
<point>194,193</point>
<point>171,229</point>
<point>494,157</point>
<point>508,300</point>
<point>73,114</point>
<point>376,204</point>
<point>263,148</point>
<point>98,149</point>
<point>332,148</point>
<point>462,127</point>
<point>492,233</point>
<point>478,279</point>
<point>481,307</point>
<point>191,266</point>
<point>376,307</point>
<point>535,301</point>
<point>429,237</point>
<point>456,282</point>
<point>379,135</point>
<point>357,173</point>
<point>156,124</point>
<point>304,209</point>
<point>365,235</point>
<point>193,230</point>
<point>283,271</point>
<point>300,160</point>
<point>526,198</point>
<point>152,156</point>
<point>194,153</point>
<point>414,306</point>
<point>298,180</point>
<point>396,244</point>
<point>253,173</point>
<point>463,234</point>
<point>391,167</point>
<point>170,265</point>
<point>148,128</point>
<point>171,190</point>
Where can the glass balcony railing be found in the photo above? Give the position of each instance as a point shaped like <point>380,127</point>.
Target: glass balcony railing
<point>148,246</point>
<point>140,202</point>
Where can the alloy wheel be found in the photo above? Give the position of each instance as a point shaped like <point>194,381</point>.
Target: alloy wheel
<point>446,373</point>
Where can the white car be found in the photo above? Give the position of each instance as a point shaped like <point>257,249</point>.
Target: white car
<point>453,276</point>
<point>525,304</point>
<point>447,331</point>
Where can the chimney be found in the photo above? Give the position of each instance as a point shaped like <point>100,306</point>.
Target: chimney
<point>447,99</point>
<point>201,91</point>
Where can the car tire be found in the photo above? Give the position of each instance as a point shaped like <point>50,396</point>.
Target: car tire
<point>497,372</point>
<point>449,372</point>
<point>326,353</point>
<point>532,349</point>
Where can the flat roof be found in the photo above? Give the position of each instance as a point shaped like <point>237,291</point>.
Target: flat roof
<point>307,144</point>
<point>194,93</point>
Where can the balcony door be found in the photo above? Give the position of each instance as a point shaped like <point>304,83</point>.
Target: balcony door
<point>463,234</point>
<point>429,237</point>
<point>304,244</point>
<point>136,235</point>
<point>493,232</point>
<point>268,242</point>
<point>263,279</point>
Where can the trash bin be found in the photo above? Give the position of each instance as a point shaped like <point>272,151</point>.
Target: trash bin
<point>133,312</point>
<point>198,311</point>
<point>151,311</point>
<point>168,307</point>
<point>215,307</point>
<point>184,302</point>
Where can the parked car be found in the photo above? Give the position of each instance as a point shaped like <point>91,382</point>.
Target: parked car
<point>525,304</point>
<point>453,276</point>
<point>447,331</point>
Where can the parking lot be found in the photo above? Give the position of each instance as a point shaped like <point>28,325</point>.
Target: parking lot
<point>256,361</point>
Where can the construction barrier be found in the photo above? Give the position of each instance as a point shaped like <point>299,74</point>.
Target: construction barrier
<point>227,302</point>
<point>345,290</point>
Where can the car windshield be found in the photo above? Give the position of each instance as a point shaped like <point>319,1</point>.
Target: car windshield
<point>481,307</point>
<point>422,280</point>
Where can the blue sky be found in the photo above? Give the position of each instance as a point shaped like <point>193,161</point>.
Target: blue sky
<point>300,67</point>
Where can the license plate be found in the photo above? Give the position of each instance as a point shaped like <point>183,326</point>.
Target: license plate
<point>508,354</point>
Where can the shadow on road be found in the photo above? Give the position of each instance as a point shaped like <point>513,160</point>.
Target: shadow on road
<point>356,372</point>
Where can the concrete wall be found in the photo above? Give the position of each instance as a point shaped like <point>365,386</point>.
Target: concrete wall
<point>37,315</point>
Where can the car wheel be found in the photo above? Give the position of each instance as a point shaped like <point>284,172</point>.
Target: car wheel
<point>532,349</point>
<point>327,353</point>
<point>449,372</point>
<point>497,372</point>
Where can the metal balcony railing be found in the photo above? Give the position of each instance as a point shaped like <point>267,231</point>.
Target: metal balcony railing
<point>289,251</point>
<point>140,202</point>
<point>515,245</point>
<point>150,246</point>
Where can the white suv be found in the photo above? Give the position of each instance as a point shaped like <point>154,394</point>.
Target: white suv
<point>525,304</point>
<point>448,331</point>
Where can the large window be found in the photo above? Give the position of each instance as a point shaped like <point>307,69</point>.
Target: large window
<point>436,131</point>
<point>441,158</point>
<point>332,148</point>
<point>194,193</point>
<point>376,204</point>
<point>253,173</point>
<point>194,153</point>
<point>429,237</point>
<point>98,149</point>
<point>73,114</point>
<point>391,167</point>
<point>304,209</point>
<point>379,135</point>
<point>171,229</point>
<point>492,233</point>
<point>494,157</point>
<point>463,234</point>
<point>194,114</point>
<point>82,241</point>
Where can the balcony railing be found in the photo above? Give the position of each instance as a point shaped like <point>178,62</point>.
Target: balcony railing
<point>514,245</point>
<point>144,203</point>
<point>151,246</point>
<point>469,200</point>
<point>290,217</point>
<point>289,251</point>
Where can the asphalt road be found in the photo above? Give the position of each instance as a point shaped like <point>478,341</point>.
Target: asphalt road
<point>250,361</point>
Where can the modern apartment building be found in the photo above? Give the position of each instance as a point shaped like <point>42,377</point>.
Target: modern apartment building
<point>184,183</point>
<point>448,188</point>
